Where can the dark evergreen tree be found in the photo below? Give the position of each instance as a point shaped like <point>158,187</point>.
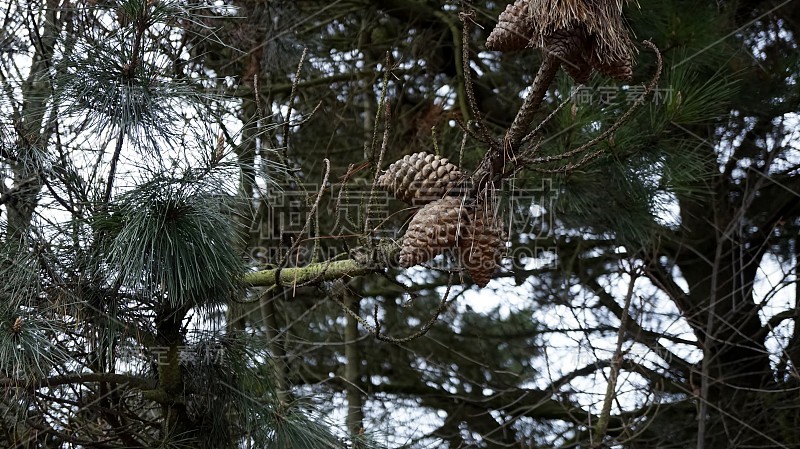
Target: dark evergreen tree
<point>196,251</point>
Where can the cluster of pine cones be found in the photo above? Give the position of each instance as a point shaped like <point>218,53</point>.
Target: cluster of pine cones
<point>446,220</point>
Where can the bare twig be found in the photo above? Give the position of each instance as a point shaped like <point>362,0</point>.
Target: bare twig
<point>606,133</point>
<point>424,330</point>
<point>384,89</point>
<point>485,139</point>
<point>467,19</point>
<point>459,65</point>
<point>387,126</point>
<point>311,214</point>
<point>291,98</point>
<point>376,328</point>
<point>546,120</point>
<point>601,427</point>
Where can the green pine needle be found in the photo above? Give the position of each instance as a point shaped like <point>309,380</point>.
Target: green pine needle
<point>176,243</point>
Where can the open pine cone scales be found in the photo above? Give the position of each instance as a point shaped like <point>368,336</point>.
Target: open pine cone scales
<point>481,245</point>
<point>514,28</point>
<point>572,46</point>
<point>584,35</point>
<point>420,178</point>
<point>433,230</point>
<point>444,222</point>
<point>447,224</point>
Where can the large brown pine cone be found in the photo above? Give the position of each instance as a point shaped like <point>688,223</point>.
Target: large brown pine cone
<point>420,178</point>
<point>433,230</point>
<point>514,28</point>
<point>481,245</point>
<point>578,53</point>
<point>573,47</point>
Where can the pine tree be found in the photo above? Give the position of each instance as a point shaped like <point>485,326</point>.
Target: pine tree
<point>199,250</point>
<point>123,239</point>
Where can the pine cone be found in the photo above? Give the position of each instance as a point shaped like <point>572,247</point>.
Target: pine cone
<point>434,229</point>
<point>481,245</point>
<point>420,178</point>
<point>619,69</point>
<point>585,34</point>
<point>514,28</point>
<point>572,46</point>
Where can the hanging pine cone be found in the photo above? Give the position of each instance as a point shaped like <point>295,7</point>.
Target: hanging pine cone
<point>420,178</point>
<point>562,27</point>
<point>481,245</point>
<point>434,229</point>
<point>513,30</point>
<point>572,46</point>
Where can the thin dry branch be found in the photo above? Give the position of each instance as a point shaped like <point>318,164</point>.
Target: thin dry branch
<point>467,19</point>
<point>527,162</point>
<point>601,428</point>
<point>291,98</point>
<point>387,127</point>
<point>311,215</point>
<point>376,328</point>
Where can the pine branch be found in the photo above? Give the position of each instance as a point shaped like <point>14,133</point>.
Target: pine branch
<point>316,273</point>
<point>521,124</point>
<point>10,194</point>
<point>496,158</point>
<point>78,378</point>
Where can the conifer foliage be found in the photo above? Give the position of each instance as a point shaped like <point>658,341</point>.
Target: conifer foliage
<point>399,223</point>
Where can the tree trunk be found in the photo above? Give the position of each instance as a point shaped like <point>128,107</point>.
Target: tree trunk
<point>355,406</point>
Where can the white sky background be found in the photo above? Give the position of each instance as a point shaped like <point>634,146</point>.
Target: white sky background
<point>570,350</point>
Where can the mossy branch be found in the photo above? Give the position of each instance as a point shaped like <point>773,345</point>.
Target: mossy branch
<point>358,265</point>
